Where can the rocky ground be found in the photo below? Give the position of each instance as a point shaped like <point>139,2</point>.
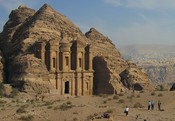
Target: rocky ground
<point>51,107</point>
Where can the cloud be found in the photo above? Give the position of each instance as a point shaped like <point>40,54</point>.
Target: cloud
<point>114,2</point>
<point>143,4</point>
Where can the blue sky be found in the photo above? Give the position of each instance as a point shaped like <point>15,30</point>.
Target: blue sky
<point>125,22</point>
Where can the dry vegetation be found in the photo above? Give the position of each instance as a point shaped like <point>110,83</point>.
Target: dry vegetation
<point>25,107</point>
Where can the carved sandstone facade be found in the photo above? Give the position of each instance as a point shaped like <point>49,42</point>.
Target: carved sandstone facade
<point>69,65</point>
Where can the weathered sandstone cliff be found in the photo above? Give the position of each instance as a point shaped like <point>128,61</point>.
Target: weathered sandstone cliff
<point>111,69</point>
<point>26,27</point>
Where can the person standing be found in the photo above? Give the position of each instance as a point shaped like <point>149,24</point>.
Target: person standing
<point>149,105</point>
<point>152,104</point>
<point>159,105</point>
<point>126,110</point>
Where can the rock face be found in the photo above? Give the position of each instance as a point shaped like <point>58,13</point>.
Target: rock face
<point>29,74</point>
<point>110,68</point>
<point>160,74</point>
<point>108,63</point>
<point>157,60</point>
<point>26,27</point>
<point>16,19</point>
<point>135,78</point>
<point>1,67</point>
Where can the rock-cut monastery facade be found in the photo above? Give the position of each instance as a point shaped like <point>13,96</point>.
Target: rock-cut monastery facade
<point>69,65</point>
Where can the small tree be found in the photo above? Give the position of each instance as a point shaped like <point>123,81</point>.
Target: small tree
<point>14,92</point>
<point>1,89</point>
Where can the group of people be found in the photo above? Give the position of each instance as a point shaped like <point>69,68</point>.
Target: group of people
<point>151,105</point>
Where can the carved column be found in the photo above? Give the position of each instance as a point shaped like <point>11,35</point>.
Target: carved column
<point>91,85</point>
<point>83,60</point>
<point>50,60</point>
<point>90,59</point>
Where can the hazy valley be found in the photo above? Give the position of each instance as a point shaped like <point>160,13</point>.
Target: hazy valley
<point>157,60</point>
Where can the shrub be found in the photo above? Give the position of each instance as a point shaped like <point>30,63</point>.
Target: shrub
<point>14,92</point>
<point>130,97</point>
<point>110,111</point>
<point>65,107</point>
<point>103,95</point>
<point>49,107</point>
<point>138,96</point>
<point>69,102</point>
<point>1,86</point>
<point>116,97</point>
<point>20,110</point>
<point>161,88</point>
<point>56,108</point>
<point>2,101</point>
<point>27,118</point>
<point>138,105</point>
<point>1,89</point>
<point>75,119</point>
<point>104,101</point>
<point>160,95</point>
<point>153,93</point>
<point>90,117</point>
<point>120,94</point>
<point>48,103</point>
<point>75,112</point>
<point>25,106</point>
<point>121,101</point>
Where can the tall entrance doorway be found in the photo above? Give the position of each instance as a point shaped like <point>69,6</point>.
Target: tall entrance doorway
<point>66,88</point>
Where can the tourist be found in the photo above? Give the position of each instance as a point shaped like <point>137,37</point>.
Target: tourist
<point>159,104</point>
<point>149,105</point>
<point>152,104</point>
<point>126,110</point>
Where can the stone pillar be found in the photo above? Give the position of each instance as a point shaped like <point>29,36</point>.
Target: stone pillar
<point>79,84</point>
<point>77,61</point>
<point>62,87</point>
<point>57,69</point>
<point>91,85</point>
<point>59,83</point>
<point>83,60</point>
<point>90,59</point>
<point>50,61</point>
<point>83,85</point>
<point>73,86</point>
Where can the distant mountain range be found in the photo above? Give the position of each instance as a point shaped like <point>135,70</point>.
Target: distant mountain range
<point>157,60</point>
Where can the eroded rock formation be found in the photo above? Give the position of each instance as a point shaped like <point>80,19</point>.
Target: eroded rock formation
<point>25,28</point>
<point>29,74</point>
<point>111,69</point>
<point>135,78</point>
